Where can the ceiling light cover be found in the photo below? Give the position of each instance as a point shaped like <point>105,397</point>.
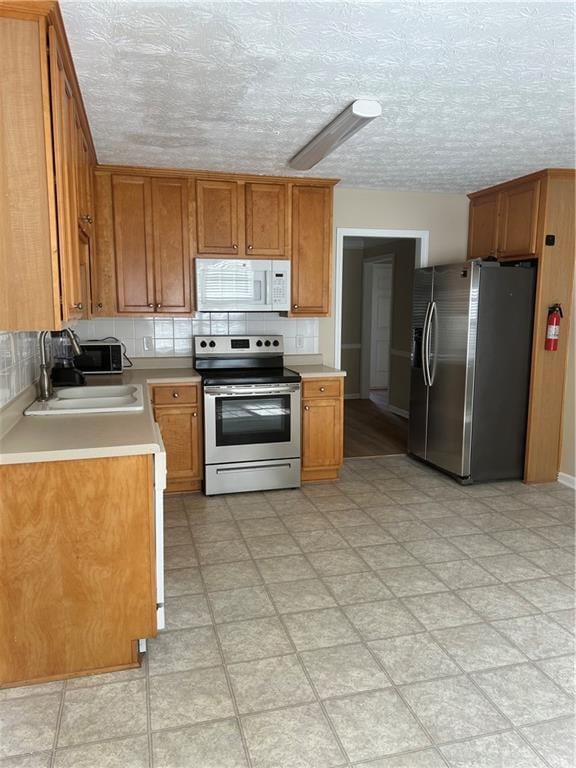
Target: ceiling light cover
<point>355,116</point>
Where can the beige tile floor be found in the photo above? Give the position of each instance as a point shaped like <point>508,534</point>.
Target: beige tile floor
<point>390,620</point>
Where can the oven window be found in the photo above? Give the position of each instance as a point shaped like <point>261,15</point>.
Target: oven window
<point>248,420</point>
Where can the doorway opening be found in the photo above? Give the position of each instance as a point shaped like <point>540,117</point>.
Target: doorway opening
<point>375,270</point>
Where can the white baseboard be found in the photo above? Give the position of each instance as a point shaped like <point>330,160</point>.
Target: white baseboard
<point>568,480</point>
<point>399,411</point>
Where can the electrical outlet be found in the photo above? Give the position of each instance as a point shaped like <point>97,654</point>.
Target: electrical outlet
<point>299,342</point>
<point>148,343</point>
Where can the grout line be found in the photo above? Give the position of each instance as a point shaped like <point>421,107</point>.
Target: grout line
<point>224,666</point>
<point>58,725</point>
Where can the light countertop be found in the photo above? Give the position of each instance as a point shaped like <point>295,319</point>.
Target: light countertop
<point>61,438</point>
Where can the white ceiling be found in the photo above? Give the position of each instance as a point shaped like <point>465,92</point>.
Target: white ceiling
<point>472,92</point>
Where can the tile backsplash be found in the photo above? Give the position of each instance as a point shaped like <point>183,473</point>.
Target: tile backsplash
<point>172,336</point>
<point>19,363</point>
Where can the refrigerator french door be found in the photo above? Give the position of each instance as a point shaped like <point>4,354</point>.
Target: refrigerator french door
<point>471,350</point>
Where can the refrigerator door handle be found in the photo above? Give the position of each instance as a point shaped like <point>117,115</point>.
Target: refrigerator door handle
<point>425,345</point>
<point>433,317</point>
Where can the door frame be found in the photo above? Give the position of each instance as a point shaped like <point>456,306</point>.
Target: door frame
<point>422,237</point>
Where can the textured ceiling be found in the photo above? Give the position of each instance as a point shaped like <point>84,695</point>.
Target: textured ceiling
<point>472,92</point>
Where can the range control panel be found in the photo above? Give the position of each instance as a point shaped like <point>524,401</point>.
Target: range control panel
<point>238,346</point>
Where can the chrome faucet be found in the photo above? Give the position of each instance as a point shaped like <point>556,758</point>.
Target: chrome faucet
<point>45,382</point>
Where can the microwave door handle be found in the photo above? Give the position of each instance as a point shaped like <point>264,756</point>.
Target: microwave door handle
<point>268,289</point>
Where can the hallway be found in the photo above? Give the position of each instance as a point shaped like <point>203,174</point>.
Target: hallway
<point>370,429</point>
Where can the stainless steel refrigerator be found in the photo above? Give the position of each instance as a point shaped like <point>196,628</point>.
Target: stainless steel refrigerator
<point>470,368</point>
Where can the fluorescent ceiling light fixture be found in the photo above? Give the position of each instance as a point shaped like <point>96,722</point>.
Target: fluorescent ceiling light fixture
<point>354,117</point>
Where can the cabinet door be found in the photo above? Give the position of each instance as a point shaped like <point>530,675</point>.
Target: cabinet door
<point>265,216</point>
<point>85,197</point>
<point>322,433</point>
<point>133,243</point>
<point>311,236</point>
<point>65,156</point>
<point>181,434</point>
<point>483,226</point>
<point>217,217</point>
<point>170,225</point>
<point>519,220</point>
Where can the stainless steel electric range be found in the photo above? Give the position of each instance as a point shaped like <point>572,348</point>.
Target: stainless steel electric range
<point>251,414</point>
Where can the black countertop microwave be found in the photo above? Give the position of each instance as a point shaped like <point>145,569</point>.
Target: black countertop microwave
<point>100,357</point>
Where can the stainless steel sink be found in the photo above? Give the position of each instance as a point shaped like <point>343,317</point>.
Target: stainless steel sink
<point>121,398</point>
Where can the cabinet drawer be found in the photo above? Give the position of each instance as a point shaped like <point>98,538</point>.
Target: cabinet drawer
<point>175,395</point>
<point>322,388</point>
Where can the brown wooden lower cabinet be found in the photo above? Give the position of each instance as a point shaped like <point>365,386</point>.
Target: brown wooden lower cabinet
<point>77,566</point>
<point>177,413</point>
<point>322,428</point>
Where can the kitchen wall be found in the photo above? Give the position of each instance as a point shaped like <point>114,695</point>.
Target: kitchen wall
<point>444,216</point>
<point>19,363</point>
<point>172,336</point>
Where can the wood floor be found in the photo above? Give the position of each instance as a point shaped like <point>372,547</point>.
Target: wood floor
<point>372,430</point>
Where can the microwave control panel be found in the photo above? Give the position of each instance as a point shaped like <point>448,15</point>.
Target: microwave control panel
<point>281,285</point>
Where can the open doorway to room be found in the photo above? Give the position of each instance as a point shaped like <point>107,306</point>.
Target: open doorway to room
<point>373,316</point>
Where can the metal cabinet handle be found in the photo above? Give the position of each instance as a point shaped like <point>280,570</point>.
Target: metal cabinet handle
<point>322,389</point>
<point>250,247</point>
<point>306,407</point>
<point>234,245</point>
<point>79,305</point>
<point>99,305</point>
<point>175,394</point>
<point>158,306</point>
<point>194,414</point>
<point>151,306</point>
<point>295,306</point>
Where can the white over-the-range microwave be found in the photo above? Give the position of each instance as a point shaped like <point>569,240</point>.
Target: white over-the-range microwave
<point>242,285</point>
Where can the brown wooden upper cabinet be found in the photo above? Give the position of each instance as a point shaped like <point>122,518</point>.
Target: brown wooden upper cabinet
<point>45,179</point>
<point>151,244</point>
<point>503,223</point>
<point>311,249</point>
<point>265,219</point>
<point>241,219</point>
<point>217,217</point>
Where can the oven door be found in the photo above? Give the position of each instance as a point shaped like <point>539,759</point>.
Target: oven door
<point>251,422</point>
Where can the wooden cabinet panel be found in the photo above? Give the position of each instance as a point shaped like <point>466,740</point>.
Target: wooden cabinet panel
<point>102,269</point>
<point>483,226</point>
<point>311,249</point>
<point>518,220</point>
<point>65,161</point>
<point>265,218</point>
<point>322,438</point>
<point>133,243</point>
<point>166,394</point>
<point>182,436</point>
<point>77,566</point>
<point>29,287</point>
<point>85,193</point>
<point>172,281</point>
<point>217,217</point>
<point>322,387</point>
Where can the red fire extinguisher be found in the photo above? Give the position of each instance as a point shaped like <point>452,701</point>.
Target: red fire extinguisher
<point>553,327</point>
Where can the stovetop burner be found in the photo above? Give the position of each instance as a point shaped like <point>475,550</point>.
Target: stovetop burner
<point>249,376</point>
<point>242,360</point>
